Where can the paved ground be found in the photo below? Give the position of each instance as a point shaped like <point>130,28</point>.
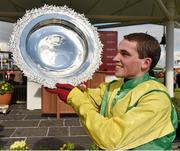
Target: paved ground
<point>41,131</point>
<point>44,131</point>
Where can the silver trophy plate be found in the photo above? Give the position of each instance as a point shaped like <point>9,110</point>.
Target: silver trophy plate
<point>56,45</point>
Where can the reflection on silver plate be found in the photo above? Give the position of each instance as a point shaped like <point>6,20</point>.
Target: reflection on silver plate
<point>56,45</point>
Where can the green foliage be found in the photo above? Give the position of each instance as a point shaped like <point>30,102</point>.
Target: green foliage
<point>68,146</point>
<point>93,147</point>
<point>6,87</point>
<point>19,145</point>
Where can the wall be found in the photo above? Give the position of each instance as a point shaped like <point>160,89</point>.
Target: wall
<point>33,95</point>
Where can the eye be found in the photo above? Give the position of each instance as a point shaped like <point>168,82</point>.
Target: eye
<point>124,53</point>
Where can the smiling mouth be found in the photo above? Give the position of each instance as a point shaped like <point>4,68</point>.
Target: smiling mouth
<point>119,65</point>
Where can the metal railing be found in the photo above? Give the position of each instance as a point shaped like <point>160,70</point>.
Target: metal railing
<point>20,94</point>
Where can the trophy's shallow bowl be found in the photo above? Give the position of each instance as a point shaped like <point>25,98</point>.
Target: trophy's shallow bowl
<point>56,45</point>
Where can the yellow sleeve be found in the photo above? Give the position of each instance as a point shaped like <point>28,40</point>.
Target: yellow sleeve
<point>150,119</point>
<point>95,95</point>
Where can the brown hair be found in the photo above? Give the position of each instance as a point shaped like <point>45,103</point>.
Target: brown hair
<point>147,46</point>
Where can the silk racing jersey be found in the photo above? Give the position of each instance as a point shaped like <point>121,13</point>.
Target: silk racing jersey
<point>136,114</point>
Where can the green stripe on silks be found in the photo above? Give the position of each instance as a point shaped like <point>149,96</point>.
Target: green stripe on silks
<point>104,100</point>
<point>165,142</point>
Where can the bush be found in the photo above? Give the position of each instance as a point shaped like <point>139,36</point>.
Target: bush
<point>68,146</point>
<point>19,145</point>
<point>6,87</point>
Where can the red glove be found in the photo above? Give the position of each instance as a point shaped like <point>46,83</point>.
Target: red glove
<point>62,90</point>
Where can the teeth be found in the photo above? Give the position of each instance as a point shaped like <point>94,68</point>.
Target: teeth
<point>119,65</point>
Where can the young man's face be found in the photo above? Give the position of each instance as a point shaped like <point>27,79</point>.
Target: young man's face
<point>128,64</point>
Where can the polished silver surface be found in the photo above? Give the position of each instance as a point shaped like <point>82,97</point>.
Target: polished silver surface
<point>56,45</point>
<point>55,48</point>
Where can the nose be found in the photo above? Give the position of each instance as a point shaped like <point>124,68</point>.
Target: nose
<point>116,57</point>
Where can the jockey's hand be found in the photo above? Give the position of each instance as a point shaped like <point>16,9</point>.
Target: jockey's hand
<point>62,90</point>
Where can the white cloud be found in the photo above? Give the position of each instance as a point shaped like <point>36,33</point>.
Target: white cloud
<point>5,32</point>
<point>154,30</point>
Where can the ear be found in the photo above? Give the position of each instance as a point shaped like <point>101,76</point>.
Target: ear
<point>146,63</point>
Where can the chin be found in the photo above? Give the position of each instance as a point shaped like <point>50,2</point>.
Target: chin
<point>118,75</point>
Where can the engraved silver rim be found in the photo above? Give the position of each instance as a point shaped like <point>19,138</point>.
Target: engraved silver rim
<point>56,45</point>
